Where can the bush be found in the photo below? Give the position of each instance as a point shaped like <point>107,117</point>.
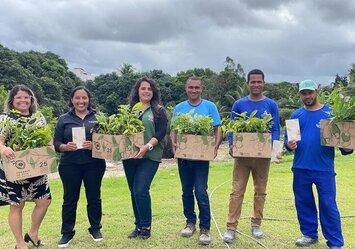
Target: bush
<point>285,113</point>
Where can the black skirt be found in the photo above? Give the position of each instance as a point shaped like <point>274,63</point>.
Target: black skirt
<point>13,193</point>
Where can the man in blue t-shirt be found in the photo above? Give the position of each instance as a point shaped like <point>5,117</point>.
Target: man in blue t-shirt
<point>194,173</point>
<point>259,167</point>
<point>314,164</point>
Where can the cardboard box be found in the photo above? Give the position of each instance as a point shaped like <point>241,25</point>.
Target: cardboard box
<point>115,147</point>
<point>30,163</point>
<point>337,134</point>
<point>252,145</point>
<point>195,147</point>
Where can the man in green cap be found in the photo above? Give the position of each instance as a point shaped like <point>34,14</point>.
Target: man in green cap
<point>314,164</point>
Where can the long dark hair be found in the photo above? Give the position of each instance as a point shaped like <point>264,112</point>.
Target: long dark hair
<point>77,89</point>
<point>9,102</point>
<point>133,98</point>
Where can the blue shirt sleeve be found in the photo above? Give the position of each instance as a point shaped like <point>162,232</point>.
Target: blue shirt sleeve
<point>232,117</point>
<point>215,115</point>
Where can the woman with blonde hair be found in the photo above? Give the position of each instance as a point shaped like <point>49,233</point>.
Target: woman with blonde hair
<point>21,103</point>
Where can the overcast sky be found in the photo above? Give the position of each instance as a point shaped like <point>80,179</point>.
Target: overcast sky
<point>288,40</point>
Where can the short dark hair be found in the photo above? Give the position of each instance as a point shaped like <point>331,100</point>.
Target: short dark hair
<point>9,102</point>
<point>77,89</point>
<point>255,71</point>
<point>193,78</point>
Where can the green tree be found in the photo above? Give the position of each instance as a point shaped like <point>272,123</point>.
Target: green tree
<point>170,91</point>
<point>230,82</point>
<point>352,75</point>
<point>45,73</point>
<point>125,69</point>
<point>340,81</point>
<point>3,95</point>
<point>111,90</point>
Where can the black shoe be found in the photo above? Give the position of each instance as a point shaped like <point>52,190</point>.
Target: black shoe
<point>65,240</point>
<point>134,234</point>
<point>96,235</point>
<point>27,239</point>
<point>145,233</point>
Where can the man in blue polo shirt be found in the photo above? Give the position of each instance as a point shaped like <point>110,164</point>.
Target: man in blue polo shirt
<point>194,173</point>
<point>243,166</point>
<point>314,164</point>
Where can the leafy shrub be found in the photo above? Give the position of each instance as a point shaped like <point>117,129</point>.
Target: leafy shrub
<point>244,123</point>
<point>125,122</point>
<point>343,107</point>
<point>285,113</point>
<point>188,123</point>
<point>24,133</point>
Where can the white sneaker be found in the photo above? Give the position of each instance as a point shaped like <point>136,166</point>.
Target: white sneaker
<point>229,236</point>
<point>305,241</point>
<point>257,232</point>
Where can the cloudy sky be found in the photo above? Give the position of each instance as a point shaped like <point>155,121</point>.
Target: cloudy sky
<point>290,40</point>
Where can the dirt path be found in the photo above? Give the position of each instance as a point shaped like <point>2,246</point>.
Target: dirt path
<point>116,169</point>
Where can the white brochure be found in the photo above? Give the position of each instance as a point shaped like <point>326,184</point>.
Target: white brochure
<point>293,129</point>
<point>276,149</point>
<point>79,136</point>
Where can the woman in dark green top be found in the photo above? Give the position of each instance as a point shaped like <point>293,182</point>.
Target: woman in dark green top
<point>141,170</point>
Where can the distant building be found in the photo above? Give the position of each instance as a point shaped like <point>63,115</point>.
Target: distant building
<point>82,74</point>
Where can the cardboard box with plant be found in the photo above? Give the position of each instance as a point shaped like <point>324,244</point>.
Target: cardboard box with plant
<point>251,137</point>
<point>194,135</point>
<point>116,135</point>
<point>29,140</point>
<point>339,131</point>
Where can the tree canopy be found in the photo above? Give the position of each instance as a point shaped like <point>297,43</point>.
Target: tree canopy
<point>48,76</point>
<point>45,73</point>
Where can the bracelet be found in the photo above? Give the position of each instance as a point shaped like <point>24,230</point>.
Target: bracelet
<point>150,146</point>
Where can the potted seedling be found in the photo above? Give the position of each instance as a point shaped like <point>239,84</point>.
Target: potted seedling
<point>30,142</point>
<point>339,131</point>
<point>115,136</point>
<point>251,135</point>
<point>194,135</point>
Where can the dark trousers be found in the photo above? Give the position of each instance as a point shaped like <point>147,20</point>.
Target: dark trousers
<point>72,175</point>
<point>139,174</point>
<point>306,207</point>
<point>194,177</point>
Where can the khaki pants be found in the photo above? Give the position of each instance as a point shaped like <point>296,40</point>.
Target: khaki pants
<point>259,167</point>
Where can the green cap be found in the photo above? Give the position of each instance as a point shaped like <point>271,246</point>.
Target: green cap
<point>308,85</point>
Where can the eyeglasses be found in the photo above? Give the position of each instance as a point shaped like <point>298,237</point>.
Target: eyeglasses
<point>23,97</point>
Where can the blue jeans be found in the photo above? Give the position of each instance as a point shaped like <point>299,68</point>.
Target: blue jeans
<point>194,176</point>
<point>139,175</point>
<point>306,208</point>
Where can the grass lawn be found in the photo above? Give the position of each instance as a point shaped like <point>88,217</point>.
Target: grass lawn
<point>168,219</point>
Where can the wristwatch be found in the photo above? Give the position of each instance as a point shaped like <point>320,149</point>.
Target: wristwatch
<point>150,146</point>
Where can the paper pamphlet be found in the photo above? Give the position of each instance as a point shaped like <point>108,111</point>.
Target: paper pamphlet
<point>79,136</point>
<point>293,129</point>
<point>276,149</point>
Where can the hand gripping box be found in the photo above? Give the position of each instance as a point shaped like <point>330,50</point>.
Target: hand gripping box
<point>116,147</point>
<point>30,163</point>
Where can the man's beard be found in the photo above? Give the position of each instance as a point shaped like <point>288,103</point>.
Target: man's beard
<point>314,101</point>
